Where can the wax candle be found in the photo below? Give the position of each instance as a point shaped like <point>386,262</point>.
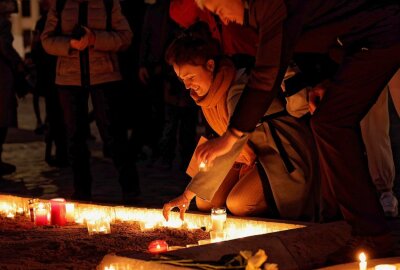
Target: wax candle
<point>158,246</point>
<point>363,261</point>
<point>98,226</point>
<point>58,212</point>
<point>31,206</point>
<point>203,166</point>
<point>217,236</point>
<point>385,267</point>
<point>42,214</point>
<point>218,219</point>
<point>70,212</point>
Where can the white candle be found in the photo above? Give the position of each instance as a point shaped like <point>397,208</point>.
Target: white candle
<point>363,261</point>
<point>385,267</point>
<point>70,212</point>
<point>98,226</point>
<point>203,166</point>
<point>218,219</point>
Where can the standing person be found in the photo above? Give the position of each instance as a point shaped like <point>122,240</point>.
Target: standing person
<point>46,74</point>
<point>11,68</point>
<point>156,32</point>
<point>272,172</point>
<point>86,35</point>
<point>369,32</point>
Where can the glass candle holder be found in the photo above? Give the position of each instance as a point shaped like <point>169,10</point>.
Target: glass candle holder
<point>58,212</point>
<point>31,207</point>
<point>70,212</point>
<point>385,267</point>
<point>217,236</point>
<point>218,219</point>
<point>98,226</point>
<point>42,214</point>
<point>158,246</point>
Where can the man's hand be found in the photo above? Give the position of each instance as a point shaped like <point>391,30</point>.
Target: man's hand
<point>144,75</point>
<point>315,96</point>
<point>182,202</point>
<point>210,150</point>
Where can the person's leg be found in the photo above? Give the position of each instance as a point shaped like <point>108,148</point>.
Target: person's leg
<point>375,133</point>
<point>247,197</point>
<point>335,124</point>
<point>56,131</point>
<point>223,191</point>
<point>187,134</point>
<point>5,168</point>
<point>74,101</point>
<point>108,106</point>
<point>168,140</point>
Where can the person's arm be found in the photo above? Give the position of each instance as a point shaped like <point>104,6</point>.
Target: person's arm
<point>264,81</point>
<point>54,43</point>
<point>7,51</point>
<point>119,38</point>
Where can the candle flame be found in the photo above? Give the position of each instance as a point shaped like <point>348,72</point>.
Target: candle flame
<point>362,257</point>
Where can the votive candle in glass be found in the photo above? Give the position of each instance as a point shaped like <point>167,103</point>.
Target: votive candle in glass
<point>42,214</point>
<point>58,212</point>
<point>98,226</point>
<point>158,246</point>
<point>218,218</point>
<point>70,212</point>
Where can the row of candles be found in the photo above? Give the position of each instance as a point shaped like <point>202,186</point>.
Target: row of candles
<point>98,218</point>
<point>363,264</point>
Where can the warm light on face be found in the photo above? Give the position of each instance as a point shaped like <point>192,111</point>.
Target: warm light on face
<point>195,78</point>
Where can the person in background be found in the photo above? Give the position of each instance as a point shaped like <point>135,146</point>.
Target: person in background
<point>272,173</point>
<point>46,74</point>
<point>87,63</point>
<point>11,70</point>
<point>369,33</point>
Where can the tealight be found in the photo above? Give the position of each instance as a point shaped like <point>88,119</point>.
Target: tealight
<point>158,246</point>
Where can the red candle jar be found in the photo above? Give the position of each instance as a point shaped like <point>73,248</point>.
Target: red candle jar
<point>158,246</point>
<point>42,214</point>
<point>58,212</point>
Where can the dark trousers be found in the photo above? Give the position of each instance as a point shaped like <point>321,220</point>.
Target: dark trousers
<point>346,185</point>
<point>184,120</point>
<point>56,131</point>
<point>108,106</point>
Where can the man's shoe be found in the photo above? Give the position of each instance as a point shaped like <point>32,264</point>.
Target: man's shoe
<point>389,204</point>
<point>6,168</point>
<point>374,246</point>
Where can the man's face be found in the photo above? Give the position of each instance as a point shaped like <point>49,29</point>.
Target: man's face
<point>227,10</point>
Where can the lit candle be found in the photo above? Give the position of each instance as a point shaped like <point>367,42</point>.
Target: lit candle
<point>98,226</point>
<point>385,267</point>
<point>363,261</point>
<point>218,219</point>
<point>217,236</point>
<point>158,246</point>
<point>42,214</point>
<point>70,212</point>
<point>58,212</point>
<point>203,166</point>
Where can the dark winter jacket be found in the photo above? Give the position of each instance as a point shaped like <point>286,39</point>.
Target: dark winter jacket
<point>289,26</point>
<point>103,60</point>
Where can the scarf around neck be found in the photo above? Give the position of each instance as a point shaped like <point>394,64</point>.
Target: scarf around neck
<point>214,103</point>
